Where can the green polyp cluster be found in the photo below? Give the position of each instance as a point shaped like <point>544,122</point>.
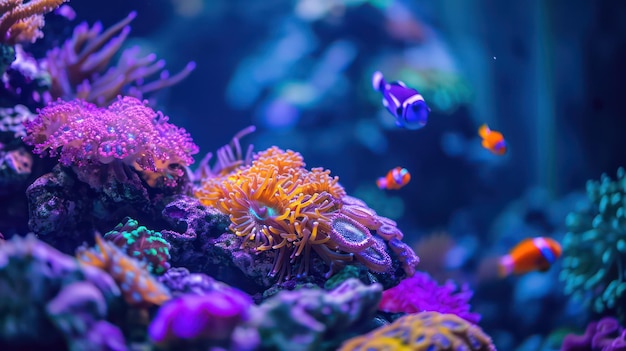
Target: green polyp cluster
<point>141,243</point>
<point>594,248</point>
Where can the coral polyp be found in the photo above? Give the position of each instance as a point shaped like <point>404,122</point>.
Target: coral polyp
<point>275,203</point>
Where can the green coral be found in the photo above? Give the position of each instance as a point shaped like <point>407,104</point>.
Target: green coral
<point>141,243</point>
<point>424,331</point>
<point>594,248</point>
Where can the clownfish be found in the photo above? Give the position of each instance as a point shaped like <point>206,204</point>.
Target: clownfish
<point>395,179</point>
<point>492,140</point>
<point>533,254</point>
<point>406,104</point>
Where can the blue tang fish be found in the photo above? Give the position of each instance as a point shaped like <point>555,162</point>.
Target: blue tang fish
<point>406,104</point>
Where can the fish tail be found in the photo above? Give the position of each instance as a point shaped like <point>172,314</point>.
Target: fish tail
<point>381,183</point>
<point>505,266</point>
<point>483,131</point>
<point>378,81</point>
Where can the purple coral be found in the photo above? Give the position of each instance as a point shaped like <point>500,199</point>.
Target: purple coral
<point>211,316</point>
<point>603,335</point>
<point>80,67</point>
<point>128,131</point>
<point>422,293</point>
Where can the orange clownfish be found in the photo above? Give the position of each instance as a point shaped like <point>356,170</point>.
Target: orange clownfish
<point>395,179</point>
<point>533,254</point>
<point>492,140</point>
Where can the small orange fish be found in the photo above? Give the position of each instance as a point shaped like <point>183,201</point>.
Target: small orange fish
<point>395,179</point>
<point>533,254</point>
<point>492,140</point>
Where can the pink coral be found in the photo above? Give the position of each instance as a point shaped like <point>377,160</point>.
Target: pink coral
<point>128,131</point>
<point>422,293</point>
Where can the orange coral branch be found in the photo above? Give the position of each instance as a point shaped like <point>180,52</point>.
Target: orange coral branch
<point>21,22</point>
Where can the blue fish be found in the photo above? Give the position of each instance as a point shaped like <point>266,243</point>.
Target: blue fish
<point>406,104</point>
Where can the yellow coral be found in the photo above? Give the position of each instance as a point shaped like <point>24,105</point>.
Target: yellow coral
<point>275,203</point>
<point>138,286</point>
<point>425,331</point>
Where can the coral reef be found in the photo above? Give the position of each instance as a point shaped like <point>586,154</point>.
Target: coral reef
<point>137,285</point>
<point>141,243</point>
<point>603,335</point>
<point>422,293</point>
<point>49,300</point>
<point>425,331</point>
<point>595,245</point>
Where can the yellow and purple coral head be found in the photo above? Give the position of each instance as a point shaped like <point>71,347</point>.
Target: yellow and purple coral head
<point>424,331</point>
<point>422,293</point>
<point>128,131</point>
<point>212,316</point>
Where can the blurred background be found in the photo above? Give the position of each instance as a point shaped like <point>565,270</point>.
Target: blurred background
<point>547,74</point>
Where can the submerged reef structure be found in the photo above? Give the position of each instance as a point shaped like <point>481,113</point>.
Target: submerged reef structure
<point>594,248</point>
<point>425,331</point>
<point>276,205</point>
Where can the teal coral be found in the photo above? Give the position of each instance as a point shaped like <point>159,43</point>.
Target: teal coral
<point>594,248</point>
<point>141,243</point>
<point>425,331</point>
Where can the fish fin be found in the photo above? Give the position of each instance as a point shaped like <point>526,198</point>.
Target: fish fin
<point>378,81</point>
<point>483,131</point>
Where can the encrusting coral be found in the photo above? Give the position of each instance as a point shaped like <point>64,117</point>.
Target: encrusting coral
<point>425,331</point>
<point>594,248</point>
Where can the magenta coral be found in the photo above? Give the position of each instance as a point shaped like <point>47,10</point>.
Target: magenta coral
<point>212,316</point>
<point>422,293</point>
<point>129,131</point>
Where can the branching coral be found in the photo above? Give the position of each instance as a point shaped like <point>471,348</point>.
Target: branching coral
<point>137,285</point>
<point>275,203</point>
<point>141,243</point>
<point>425,331</point>
<point>422,293</point>
<point>78,66</point>
<point>594,248</point>
<point>21,22</point>
<point>126,133</point>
